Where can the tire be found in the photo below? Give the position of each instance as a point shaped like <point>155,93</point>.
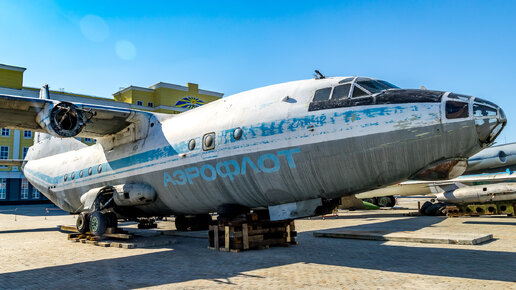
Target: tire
<point>383,201</point>
<point>112,219</point>
<point>98,223</point>
<point>392,201</point>
<point>423,208</point>
<point>181,223</point>
<point>83,222</point>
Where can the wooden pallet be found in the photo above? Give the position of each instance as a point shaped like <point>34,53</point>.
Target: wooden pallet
<point>142,242</point>
<point>115,233</point>
<point>249,232</point>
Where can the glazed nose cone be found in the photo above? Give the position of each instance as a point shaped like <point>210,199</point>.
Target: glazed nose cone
<point>489,119</point>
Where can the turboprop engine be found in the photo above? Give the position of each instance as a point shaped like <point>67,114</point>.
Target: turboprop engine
<point>62,119</point>
<point>479,193</point>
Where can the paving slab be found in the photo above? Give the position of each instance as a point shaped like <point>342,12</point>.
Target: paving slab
<point>36,255</point>
<point>411,237</point>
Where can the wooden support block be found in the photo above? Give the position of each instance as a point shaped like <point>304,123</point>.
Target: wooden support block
<point>226,238</point>
<point>216,237</point>
<point>288,233</point>
<point>245,236</point>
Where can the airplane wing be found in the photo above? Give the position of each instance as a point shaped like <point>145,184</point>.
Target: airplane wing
<point>64,119</point>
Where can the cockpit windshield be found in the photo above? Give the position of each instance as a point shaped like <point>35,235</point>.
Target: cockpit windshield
<point>375,86</point>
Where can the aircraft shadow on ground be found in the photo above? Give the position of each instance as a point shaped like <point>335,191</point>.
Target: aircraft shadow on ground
<point>189,259</point>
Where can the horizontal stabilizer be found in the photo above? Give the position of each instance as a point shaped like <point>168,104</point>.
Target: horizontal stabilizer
<point>11,162</point>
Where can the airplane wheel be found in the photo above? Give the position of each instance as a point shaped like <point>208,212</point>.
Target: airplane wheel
<point>386,201</point>
<point>181,223</point>
<point>112,219</point>
<point>82,223</point>
<point>98,223</point>
<point>383,201</point>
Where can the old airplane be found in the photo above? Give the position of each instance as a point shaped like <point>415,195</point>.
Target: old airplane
<point>295,148</point>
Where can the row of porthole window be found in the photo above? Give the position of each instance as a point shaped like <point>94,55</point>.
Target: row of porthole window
<point>208,144</point>
<point>208,140</point>
<point>81,173</point>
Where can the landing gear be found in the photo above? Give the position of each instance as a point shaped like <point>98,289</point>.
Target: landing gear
<point>98,223</point>
<point>83,222</point>
<point>193,222</point>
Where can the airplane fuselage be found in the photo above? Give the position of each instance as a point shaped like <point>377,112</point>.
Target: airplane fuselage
<point>290,149</point>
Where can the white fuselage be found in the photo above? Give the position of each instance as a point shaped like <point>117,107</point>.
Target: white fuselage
<point>286,153</point>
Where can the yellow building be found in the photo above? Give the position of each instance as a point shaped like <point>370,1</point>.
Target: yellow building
<point>161,97</point>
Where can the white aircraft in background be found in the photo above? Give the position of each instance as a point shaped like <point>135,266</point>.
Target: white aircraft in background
<point>295,148</point>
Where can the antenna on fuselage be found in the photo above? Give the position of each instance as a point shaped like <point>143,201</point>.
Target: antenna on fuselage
<point>318,75</point>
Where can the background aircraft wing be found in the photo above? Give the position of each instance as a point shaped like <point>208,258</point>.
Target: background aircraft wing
<point>64,119</point>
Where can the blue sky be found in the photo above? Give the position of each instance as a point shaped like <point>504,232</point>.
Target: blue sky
<point>95,48</point>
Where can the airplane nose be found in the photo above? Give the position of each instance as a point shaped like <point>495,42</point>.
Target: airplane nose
<point>489,119</point>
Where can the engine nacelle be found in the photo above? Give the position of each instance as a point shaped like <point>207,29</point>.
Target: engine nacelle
<point>62,119</point>
<point>133,194</point>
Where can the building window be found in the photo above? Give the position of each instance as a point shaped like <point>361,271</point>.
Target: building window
<point>24,152</point>
<point>6,132</point>
<point>27,134</point>
<point>3,188</point>
<point>150,104</point>
<point>139,103</point>
<point>24,193</point>
<point>4,152</point>
<point>35,193</point>
<point>87,140</point>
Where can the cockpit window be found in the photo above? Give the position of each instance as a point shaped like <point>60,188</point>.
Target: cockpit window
<point>375,86</point>
<point>480,110</point>
<point>322,95</point>
<point>391,86</point>
<point>346,80</point>
<point>357,92</point>
<point>455,110</point>
<point>341,92</point>
<point>459,97</point>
